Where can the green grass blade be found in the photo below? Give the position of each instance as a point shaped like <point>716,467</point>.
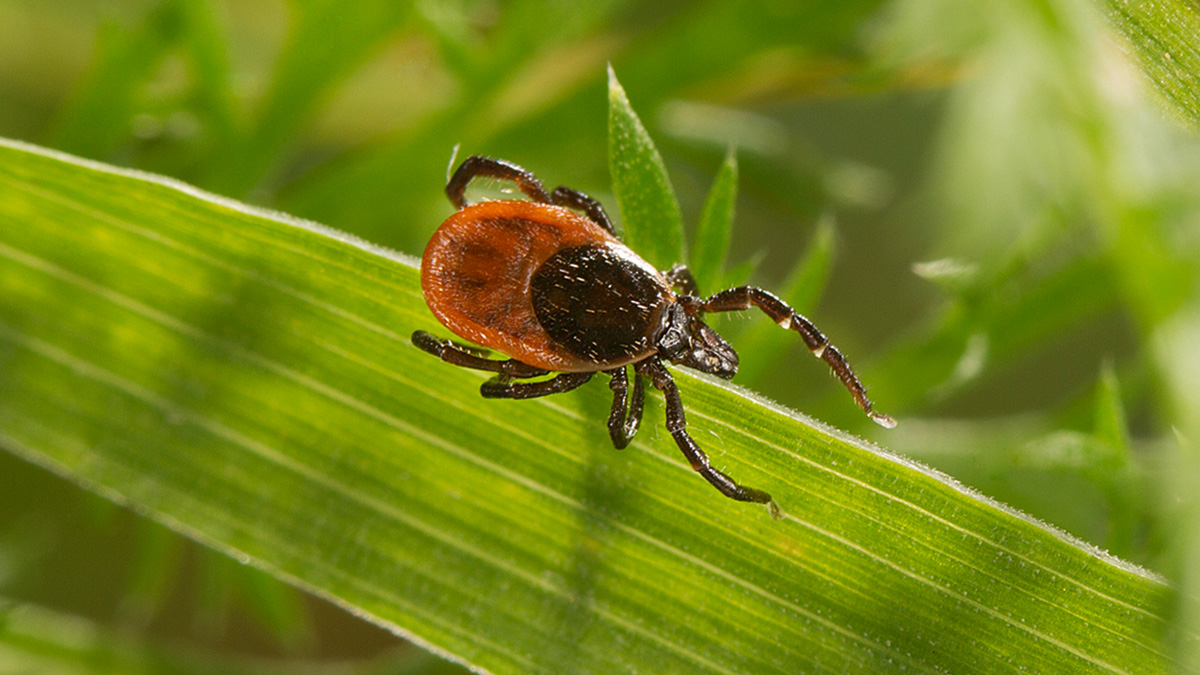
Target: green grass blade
<point>650,212</point>
<point>715,229</point>
<point>1162,36</point>
<point>38,640</point>
<point>992,330</point>
<point>247,379</point>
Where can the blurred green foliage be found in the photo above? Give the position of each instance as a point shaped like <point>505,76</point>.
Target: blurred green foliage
<point>1015,217</point>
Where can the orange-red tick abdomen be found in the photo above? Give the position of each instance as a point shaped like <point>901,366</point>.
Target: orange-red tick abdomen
<point>478,267</point>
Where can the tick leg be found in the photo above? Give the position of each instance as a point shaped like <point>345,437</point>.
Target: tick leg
<point>745,297</point>
<point>574,199</point>
<point>681,277</point>
<point>475,166</point>
<point>499,387</point>
<point>450,353</point>
<point>677,425</point>
<point>622,425</point>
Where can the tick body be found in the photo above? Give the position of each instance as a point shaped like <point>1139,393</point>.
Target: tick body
<point>546,282</point>
<point>543,285</point>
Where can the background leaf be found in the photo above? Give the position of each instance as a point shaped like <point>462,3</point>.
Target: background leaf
<point>650,215</point>
<point>1162,36</point>
<point>714,231</point>
<point>37,640</point>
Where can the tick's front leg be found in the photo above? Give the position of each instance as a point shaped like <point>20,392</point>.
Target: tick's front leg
<point>745,297</point>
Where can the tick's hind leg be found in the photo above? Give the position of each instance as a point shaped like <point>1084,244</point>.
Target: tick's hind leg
<point>500,387</point>
<point>452,353</point>
<point>623,423</point>
<point>574,199</point>
<point>745,297</point>
<point>677,425</point>
<point>475,165</point>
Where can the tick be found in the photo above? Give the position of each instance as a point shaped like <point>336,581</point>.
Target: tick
<point>546,282</point>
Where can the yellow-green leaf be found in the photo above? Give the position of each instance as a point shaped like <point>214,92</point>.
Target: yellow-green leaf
<point>247,379</point>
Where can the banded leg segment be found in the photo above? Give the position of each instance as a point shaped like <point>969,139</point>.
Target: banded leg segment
<point>745,297</point>
<point>623,422</point>
<point>452,353</point>
<point>500,387</point>
<point>677,426</point>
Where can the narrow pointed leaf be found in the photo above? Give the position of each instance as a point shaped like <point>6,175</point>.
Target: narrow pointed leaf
<point>650,212</point>
<point>715,229</point>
